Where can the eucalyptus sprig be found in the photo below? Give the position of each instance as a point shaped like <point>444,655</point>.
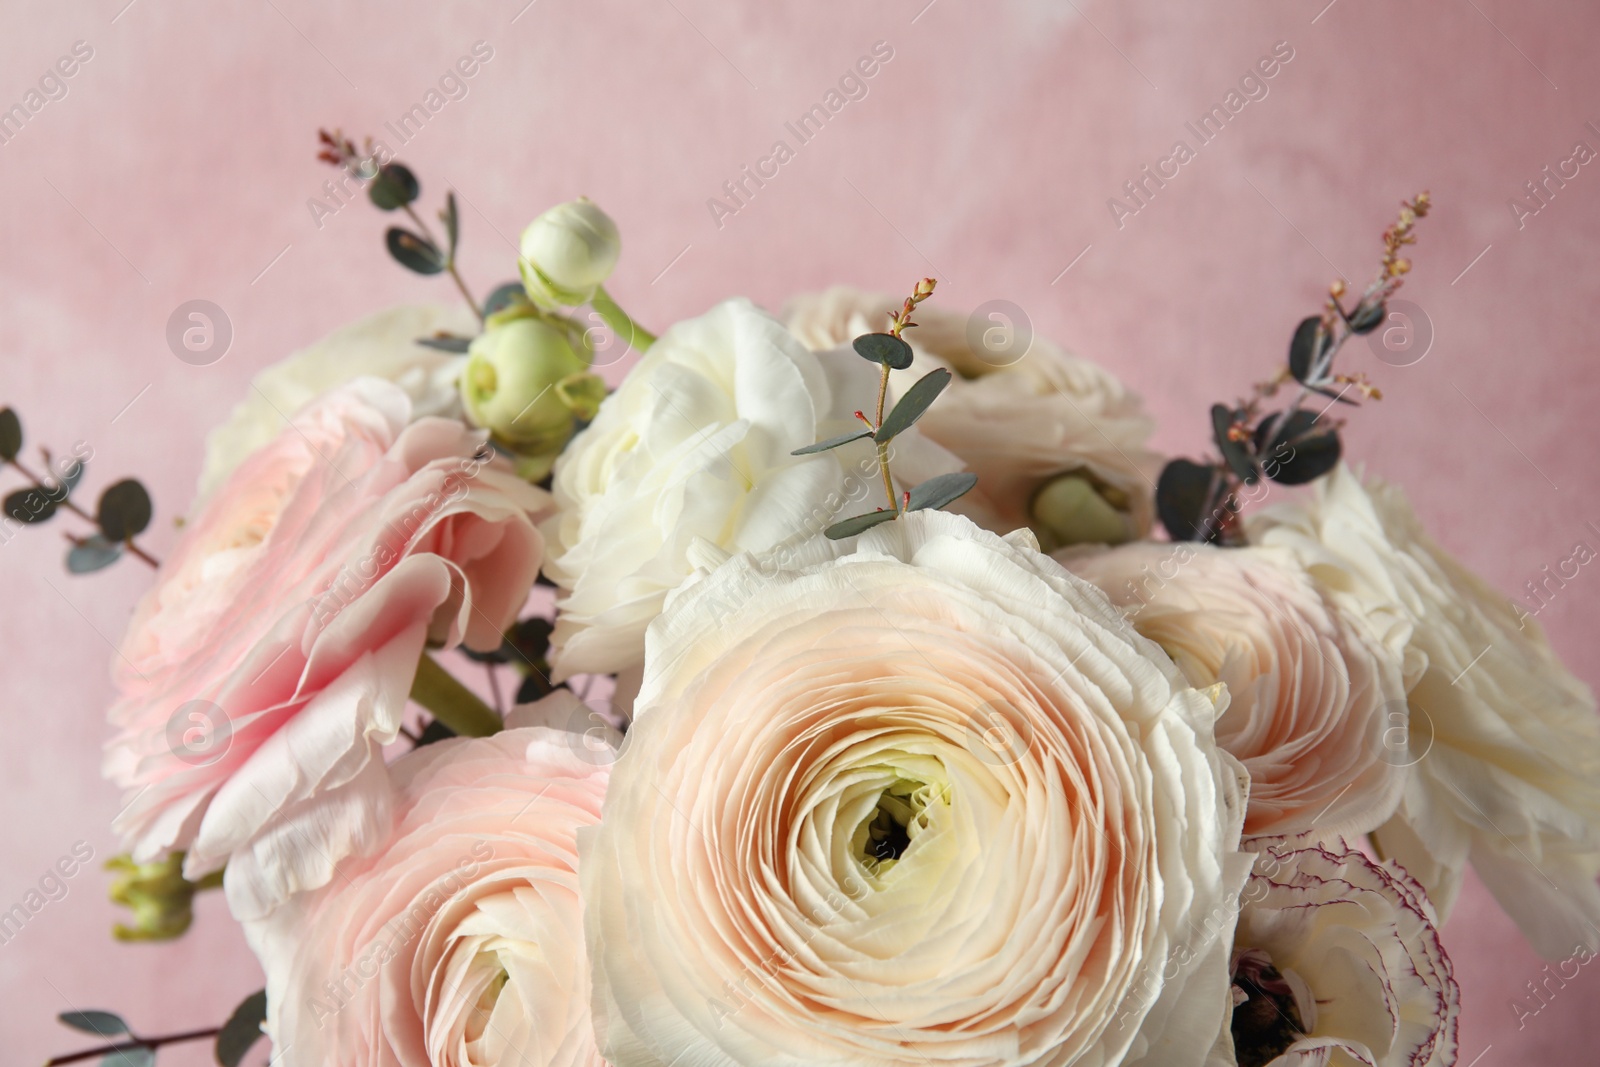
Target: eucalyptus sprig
<point>391,186</point>
<point>230,1041</point>
<point>1291,445</point>
<point>122,513</point>
<point>891,352</point>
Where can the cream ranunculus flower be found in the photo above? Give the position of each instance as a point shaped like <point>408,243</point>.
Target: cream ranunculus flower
<point>918,798</point>
<point>1311,691</point>
<point>459,944</point>
<point>1505,740</point>
<point>693,449</point>
<point>379,346</point>
<point>1337,961</point>
<point>1057,442</point>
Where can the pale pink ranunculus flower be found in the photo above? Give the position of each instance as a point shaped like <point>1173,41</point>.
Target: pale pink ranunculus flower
<point>1314,697</point>
<point>917,798</point>
<point>1337,962</point>
<point>460,942</point>
<point>262,675</point>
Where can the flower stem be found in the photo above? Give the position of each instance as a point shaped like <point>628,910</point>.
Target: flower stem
<point>883,448</point>
<point>638,338</point>
<point>151,1043</point>
<point>451,702</point>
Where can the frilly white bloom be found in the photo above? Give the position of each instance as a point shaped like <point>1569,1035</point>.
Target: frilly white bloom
<point>379,346</point>
<point>1057,442</point>
<point>1338,963</point>
<point>1311,693</point>
<point>693,452</point>
<point>1505,740</point>
<point>567,253</point>
<point>918,798</point>
<point>459,944</point>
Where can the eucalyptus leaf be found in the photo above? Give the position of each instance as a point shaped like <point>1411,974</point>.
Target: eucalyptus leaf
<point>1235,453</point>
<point>446,342</point>
<point>911,406</point>
<point>534,687</point>
<point>858,524</point>
<point>103,1023</point>
<point>71,477</point>
<point>437,731</point>
<point>92,553</point>
<point>530,639</point>
<point>941,489</point>
<point>30,505</point>
<point>1367,317</point>
<point>242,1030</point>
<point>1301,452</point>
<point>124,510</point>
<point>883,348</point>
<point>10,434</point>
<point>131,1056</point>
<point>832,442</point>
<point>393,187</point>
<point>1308,345</point>
<point>452,221</point>
<point>1183,493</point>
<point>503,297</point>
<point>413,252</point>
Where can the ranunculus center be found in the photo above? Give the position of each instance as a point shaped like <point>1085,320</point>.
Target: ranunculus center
<point>885,835</point>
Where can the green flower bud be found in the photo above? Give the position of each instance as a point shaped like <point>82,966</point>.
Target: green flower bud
<point>1077,509</point>
<point>161,898</point>
<point>567,253</point>
<point>525,384</point>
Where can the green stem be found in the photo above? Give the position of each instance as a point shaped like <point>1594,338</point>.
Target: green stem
<point>451,702</point>
<point>638,338</point>
<point>883,449</point>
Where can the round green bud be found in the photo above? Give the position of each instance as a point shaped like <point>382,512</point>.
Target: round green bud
<point>567,253</point>
<point>525,383</point>
<point>1074,509</point>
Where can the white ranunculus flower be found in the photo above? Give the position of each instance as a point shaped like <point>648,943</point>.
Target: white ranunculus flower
<point>1337,962</point>
<point>1057,442</point>
<point>1505,740</point>
<point>383,345</point>
<point>1311,692</point>
<point>460,942</point>
<point>693,451</point>
<point>921,797</point>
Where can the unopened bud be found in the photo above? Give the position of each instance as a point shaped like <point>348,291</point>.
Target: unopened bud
<point>1072,509</point>
<point>567,253</point>
<point>524,383</point>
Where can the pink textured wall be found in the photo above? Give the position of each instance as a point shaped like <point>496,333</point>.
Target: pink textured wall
<point>180,161</point>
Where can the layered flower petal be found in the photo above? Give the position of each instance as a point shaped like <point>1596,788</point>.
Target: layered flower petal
<point>459,943</point>
<point>261,676</point>
<point>694,446</point>
<point>1505,741</point>
<point>919,798</point>
<point>1316,704</point>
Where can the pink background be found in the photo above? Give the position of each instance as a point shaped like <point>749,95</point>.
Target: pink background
<point>180,163</point>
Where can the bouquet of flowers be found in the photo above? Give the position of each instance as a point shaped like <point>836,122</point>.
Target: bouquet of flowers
<point>880,696</point>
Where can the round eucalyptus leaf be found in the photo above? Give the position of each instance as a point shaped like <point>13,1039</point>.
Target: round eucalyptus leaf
<point>883,348</point>
<point>124,510</point>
